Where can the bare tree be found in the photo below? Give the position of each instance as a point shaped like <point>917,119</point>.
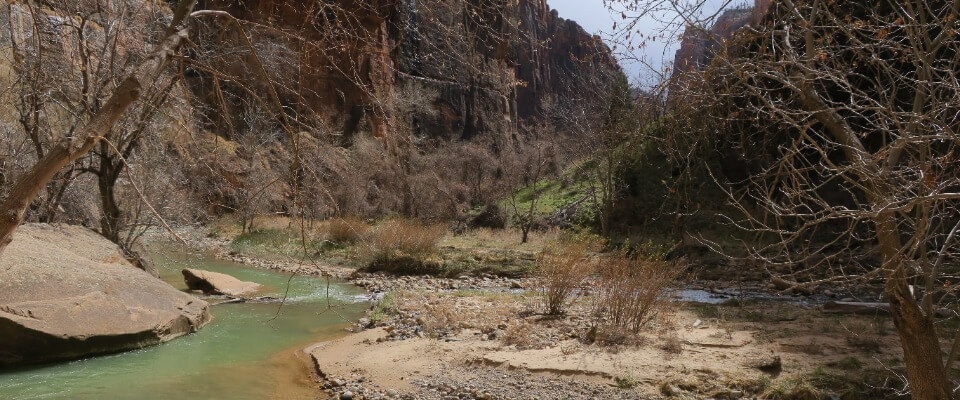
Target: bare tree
<point>847,114</point>
<point>69,148</point>
<point>620,127</point>
<point>536,163</point>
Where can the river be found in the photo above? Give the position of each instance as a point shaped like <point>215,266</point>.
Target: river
<point>244,353</point>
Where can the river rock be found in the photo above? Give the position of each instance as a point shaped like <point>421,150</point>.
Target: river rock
<point>66,293</point>
<point>217,283</point>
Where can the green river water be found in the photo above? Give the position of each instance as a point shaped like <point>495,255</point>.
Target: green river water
<point>240,355</point>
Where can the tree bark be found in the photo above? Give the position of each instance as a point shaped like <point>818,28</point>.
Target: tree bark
<point>922,357</point>
<point>110,218</point>
<point>68,150</point>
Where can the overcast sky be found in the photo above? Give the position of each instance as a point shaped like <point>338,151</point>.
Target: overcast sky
<point>595,18</point>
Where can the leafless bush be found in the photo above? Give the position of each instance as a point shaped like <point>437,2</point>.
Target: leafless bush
<point>631,292</point>
<point>562,267</point>
<point>346,230</point>
<point>442,316</point>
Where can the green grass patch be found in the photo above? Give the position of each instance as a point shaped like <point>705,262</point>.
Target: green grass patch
<point>383,308</point>
<point>277,244</point>
<point>553,194</point>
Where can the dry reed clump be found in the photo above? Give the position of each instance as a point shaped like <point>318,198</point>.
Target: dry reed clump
<point>346,230</point>
<point>403,247</point>
<point>561,269</point>
<point>631,292</point>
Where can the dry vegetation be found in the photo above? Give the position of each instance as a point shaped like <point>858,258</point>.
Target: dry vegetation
<point>403,247</point>
<point>562,269</point>
<point>347,230</point>
<point>630,292</point>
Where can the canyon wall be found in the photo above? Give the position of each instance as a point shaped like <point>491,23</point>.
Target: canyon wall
<point>474,67</point>
<point>698,43</point>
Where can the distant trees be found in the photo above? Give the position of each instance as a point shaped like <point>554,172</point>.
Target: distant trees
<point>620,127</point>
<point>846,113</point>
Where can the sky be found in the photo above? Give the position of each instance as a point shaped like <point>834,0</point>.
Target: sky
<point>657,52</point>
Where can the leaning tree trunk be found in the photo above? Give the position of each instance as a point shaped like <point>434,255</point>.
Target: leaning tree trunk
<point>922,357</point>
<point>66,151</point>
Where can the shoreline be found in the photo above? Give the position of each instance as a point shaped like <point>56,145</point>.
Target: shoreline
<point>480,338</point>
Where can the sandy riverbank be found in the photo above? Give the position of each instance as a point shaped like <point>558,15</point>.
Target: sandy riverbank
<point>492,347</point>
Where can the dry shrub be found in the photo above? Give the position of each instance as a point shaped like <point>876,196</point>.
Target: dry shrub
<point>442,317</point>
<point>672,343</point>
<point>633,291</point>
<point>524,336</point>
<point>403,247</point>
<point>613,336</point>
<point>346,230</point>
<point>562,267</point>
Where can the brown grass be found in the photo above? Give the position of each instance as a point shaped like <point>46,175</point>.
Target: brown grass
<point>523,335</point>
<point>562,268</point>
<point>346,230</point>
<point>631,292</point>
<point>672,343</point>
<point>403,247</point>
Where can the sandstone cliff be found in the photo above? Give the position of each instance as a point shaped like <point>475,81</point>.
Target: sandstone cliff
<point>480,67</point>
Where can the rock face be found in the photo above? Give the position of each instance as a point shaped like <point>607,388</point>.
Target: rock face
<point>480,67</point>
<point>66,293</point>
<point>698,45</point>
<point>217,283</point>
<point>412,83</point>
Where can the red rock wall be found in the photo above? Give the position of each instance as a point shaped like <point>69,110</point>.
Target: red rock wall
<point>342,68</point>
<point>351,67</point>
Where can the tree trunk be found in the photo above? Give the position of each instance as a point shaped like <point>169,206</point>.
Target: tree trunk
<point>110,218</point>
<point>66,151</point>
<point>918,337</point>
<point>921,350</point>
<point>29,185</point>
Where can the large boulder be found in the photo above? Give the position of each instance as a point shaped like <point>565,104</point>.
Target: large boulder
<point>67,293</point>
<point>217,283</point>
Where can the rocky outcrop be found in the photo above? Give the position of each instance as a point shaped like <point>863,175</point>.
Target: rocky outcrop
<point>429,74</point>
<point>216,283</point>
<point>341,70</point>
<point>66,293</point>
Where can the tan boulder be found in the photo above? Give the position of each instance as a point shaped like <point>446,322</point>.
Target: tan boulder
<point>216,283</point>
<point>66,293</point>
